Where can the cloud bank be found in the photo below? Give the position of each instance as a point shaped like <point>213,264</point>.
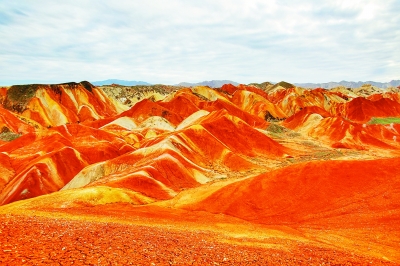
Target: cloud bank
<point>185,40</point>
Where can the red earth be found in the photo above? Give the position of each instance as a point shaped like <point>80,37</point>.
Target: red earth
<point>60,241</point>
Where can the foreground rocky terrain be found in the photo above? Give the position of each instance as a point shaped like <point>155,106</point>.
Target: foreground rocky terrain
<point>248,175</point>
<point>41,241</point>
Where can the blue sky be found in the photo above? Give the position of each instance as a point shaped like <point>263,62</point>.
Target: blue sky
<point>172,41</point>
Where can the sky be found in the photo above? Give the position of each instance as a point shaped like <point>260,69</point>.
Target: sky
<point>173,41</point>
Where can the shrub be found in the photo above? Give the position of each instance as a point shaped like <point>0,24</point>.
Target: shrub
<point>9,136</point>
<point>384,120</point>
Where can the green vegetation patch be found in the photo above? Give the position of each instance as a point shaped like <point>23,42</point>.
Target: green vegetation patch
<point>18,96</point>
<point>275,128</point>
<point>384,120</point>
<point>310,144</point>
<point>20,93</point>
<point>130,94</point>
<point>7,135</point>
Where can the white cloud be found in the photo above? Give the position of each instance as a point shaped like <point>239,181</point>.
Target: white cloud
<point>172,41</point>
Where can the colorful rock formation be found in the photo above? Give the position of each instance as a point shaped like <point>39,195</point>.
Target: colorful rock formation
<point>307,165</point>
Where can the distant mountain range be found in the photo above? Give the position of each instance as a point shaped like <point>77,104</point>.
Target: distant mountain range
<point>327,85</point>
<point>220,83</point>
<point>120,82</point>
<point>211,83</point>
<point>349,84</point>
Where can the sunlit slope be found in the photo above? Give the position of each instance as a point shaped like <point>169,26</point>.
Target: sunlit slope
<point>206,149</point>
<point>11,122</point>
<point>361,110</point>
<point>40,171</point>
<point>340,132</point>
<point>293,100</point>
<point>53,105</point>
<point>43,162</point>
<point>320,193</point>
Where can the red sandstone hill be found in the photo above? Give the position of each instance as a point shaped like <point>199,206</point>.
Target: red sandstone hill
<point>301,162</point>
<point>52,105</point>
<point>187,136</point>
<point>166,145</point>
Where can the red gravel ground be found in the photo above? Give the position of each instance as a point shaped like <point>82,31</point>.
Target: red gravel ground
<point>56,241</point>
